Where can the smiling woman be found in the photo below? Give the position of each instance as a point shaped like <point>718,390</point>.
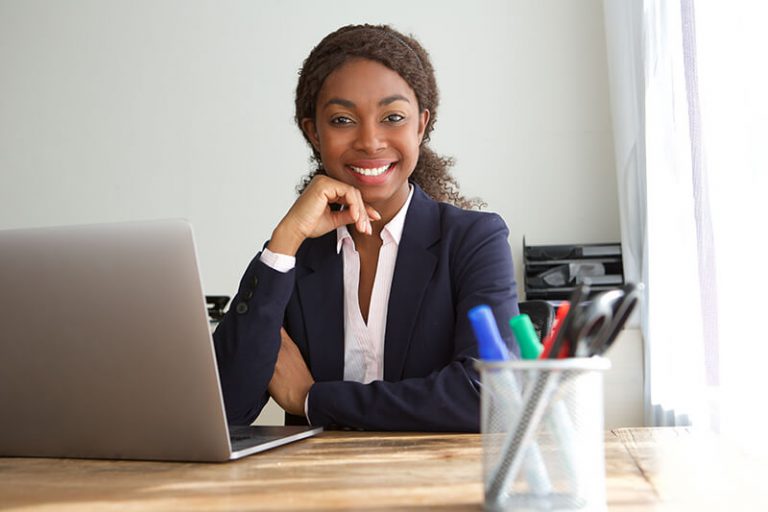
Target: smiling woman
<point>355,313</point>
<point>405,57</point>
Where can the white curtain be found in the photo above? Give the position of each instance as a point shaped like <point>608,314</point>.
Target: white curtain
<point>732,38</point>
<point>689,112</point>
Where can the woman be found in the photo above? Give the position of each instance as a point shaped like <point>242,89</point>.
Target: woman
<point>354,314</point>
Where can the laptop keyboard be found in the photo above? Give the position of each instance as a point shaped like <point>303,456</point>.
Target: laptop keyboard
<point>245,437</point>
<point>264,437</point>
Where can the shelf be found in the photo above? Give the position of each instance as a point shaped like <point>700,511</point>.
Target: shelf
<point>553,271</point>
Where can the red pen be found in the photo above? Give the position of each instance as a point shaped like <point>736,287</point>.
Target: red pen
<point>562,312</point>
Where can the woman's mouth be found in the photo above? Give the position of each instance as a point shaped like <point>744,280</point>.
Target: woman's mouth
<point>372,171</point>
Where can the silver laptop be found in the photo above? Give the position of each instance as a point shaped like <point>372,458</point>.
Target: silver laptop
<point>106,352</point>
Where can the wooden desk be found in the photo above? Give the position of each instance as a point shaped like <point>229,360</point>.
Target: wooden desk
<point>648,469</point>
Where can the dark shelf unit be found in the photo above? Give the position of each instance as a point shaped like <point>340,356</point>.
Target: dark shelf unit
<point>553,271</point>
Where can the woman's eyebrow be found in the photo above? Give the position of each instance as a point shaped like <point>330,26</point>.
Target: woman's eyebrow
<point>392,99</point>
<point>351,104</point>
<point>340,101</point>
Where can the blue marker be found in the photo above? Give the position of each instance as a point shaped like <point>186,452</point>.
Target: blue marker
<point>489,343</point>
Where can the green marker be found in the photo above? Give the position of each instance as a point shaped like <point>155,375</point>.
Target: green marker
<point>522,328</point>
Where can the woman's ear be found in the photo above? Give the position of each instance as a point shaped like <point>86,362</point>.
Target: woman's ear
<point>423,122</point>
<point>310,131</point>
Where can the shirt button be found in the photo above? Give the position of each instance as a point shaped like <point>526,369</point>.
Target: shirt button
<point>241,308</point>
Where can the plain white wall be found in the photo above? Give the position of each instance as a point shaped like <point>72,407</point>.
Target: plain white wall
<point>123,110</point>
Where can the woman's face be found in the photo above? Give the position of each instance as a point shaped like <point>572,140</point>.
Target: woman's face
<point>367,130</point>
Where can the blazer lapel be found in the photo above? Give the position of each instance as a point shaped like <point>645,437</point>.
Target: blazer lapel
<point>321,293</point>
<point>413,272</point>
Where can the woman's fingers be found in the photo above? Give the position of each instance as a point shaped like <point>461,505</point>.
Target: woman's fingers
<point>363,223</point>
<point>373,214</point>
<point>355,210</point>
<point>312,216</point>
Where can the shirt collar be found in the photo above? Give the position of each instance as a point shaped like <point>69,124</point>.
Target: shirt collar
<point>393,231</point>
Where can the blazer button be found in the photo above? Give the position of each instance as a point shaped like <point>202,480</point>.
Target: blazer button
<point>241,308</point>
<point>255,281</point>
<point>247,294</point>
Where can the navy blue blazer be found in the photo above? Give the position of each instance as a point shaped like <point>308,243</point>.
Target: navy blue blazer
<point>449,260</point>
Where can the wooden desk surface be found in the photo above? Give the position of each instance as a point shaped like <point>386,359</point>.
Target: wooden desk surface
<point>647,469</point>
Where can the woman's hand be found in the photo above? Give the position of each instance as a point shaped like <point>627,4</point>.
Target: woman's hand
<point>291,381</point>
<point>311,215</point>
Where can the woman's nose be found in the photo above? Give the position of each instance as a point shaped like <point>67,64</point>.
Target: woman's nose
<point>370,137</point>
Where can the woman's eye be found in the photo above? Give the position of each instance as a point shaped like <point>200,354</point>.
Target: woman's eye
<point>394,118</point>
<point>341,120</point>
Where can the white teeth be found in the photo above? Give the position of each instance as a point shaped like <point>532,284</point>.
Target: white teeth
<point>370,172</point>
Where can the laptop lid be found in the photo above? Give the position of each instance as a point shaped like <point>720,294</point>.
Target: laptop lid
<point>105,347</point>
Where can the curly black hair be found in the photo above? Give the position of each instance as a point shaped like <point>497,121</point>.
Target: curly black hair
<point>402,54</point>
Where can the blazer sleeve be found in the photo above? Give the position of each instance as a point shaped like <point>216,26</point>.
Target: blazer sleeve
<point>449,398</point>
<point>247,340</point>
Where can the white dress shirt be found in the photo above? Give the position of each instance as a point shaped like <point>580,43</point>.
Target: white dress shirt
<point>363,343</point>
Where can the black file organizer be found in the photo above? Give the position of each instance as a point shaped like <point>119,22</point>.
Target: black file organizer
<point>553,271</point>
<point>216,305</point>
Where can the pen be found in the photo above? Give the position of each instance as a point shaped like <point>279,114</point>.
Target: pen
<point>525,334</point>
<point>558,420</point>
<point>562,311</point>
<point>534,405</point>
<point>521,436</point>
<point>560,341</point>
<point>491,347</point>
<point>575,331</point>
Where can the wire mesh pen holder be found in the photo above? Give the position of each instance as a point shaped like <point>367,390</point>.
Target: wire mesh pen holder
<point>542,427</point>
